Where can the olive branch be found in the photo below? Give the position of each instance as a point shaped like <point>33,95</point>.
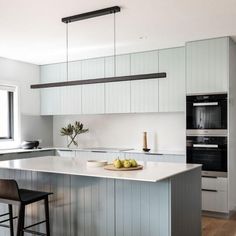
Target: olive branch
<point>72,131</point>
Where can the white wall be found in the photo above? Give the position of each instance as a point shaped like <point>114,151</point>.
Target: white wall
<point>166,131</point>
<point>37,128</point>
<point>23,75</point>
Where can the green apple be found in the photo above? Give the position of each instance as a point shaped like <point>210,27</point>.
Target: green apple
<point>127,164</point>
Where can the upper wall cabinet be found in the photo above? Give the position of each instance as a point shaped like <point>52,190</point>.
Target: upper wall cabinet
<point>207,66</point>
<point>51,97</point>
<point>172,88</point>
<point>61,100</point>
<point>93,95</point>
<point>117,94</point>
<point>71,96</point>
<point>144,93</point>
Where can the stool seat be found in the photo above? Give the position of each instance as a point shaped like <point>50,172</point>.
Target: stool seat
<point>30,196</point>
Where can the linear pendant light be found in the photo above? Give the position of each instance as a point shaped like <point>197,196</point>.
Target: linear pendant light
<point>84,16</point>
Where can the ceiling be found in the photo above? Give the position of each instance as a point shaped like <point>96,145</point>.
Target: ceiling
<point>32,31</point>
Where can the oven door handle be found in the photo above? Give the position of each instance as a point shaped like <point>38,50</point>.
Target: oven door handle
<point>198,104</point>
<point>206,145</point>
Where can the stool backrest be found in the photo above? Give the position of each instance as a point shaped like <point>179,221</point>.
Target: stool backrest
<point>9,189</point>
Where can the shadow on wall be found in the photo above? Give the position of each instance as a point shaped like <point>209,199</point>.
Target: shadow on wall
<point>37,128</point>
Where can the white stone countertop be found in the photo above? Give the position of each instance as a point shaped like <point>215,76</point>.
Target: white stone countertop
<point>21,150</point>
<point>152,171</point>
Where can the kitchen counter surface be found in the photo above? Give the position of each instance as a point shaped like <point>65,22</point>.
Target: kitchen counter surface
<point>135,151</point>
<point>152,171</point>
<point>21,150</point>
<point>109,150</point>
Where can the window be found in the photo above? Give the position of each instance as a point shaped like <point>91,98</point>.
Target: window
<point>6,113</point>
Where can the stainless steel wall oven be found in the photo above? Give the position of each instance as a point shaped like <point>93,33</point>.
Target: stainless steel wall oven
<point>207,133</point>
<point>207,112</point>
<point>211,152</point>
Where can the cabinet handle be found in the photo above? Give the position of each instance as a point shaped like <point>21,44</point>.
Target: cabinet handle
<point>210,177</point>
<point>63,150</point>
<point>209,190</point>
<point>198,104</point>
<point>206,145</point>
<point>99,151</point>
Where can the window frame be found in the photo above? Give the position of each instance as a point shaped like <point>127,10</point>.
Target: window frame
<point>11,94</point>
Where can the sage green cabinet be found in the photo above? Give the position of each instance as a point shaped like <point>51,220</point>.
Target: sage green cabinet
<point>60,100</point>
<point>117,94</point>
<point>144,93</point>
<point>93,95</point>
<point>51,97</point>
<point>71,101</point>
<point>207,66</point>
<point>172,88</point>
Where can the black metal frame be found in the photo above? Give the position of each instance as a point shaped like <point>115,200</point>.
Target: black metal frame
<point>102,80</point>
<point>10,219</point>
<point>21,228</point>
<point>11,116</point>
<point>91,14</point>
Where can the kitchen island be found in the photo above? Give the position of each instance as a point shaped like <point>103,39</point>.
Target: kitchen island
<point>162,199</point>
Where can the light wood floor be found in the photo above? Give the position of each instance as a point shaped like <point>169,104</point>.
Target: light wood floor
<point>219,227</point>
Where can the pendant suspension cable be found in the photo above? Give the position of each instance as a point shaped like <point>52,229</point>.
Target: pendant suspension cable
<point>114,21</point>
<point>115,78</point>
<point>67,53</point>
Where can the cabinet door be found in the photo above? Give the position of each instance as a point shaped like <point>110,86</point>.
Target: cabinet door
<point>207,66</point>
<point>216,201</point>
<point>93,98</point>
<point>144,93</point>
<point>72,95</point>
<point>172,88</point>
<point>51,97</point>
<point>117,95</point>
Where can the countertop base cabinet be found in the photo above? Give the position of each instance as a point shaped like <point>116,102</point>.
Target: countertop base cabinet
<point>93,206</point>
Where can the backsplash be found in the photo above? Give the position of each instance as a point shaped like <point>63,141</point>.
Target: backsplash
<point>166,131</point>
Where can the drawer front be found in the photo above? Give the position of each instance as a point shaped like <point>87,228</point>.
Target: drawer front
<point>219,184</point>
<point>215,201</point>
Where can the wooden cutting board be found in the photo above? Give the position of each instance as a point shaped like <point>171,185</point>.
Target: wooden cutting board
<point>111,167</point>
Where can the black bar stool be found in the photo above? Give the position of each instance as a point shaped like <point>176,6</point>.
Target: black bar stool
<point>11,194</point>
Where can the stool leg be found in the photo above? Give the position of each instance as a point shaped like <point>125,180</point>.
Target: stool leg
<point>47,216</point>
<point>21,220</point>
<point>11,220</point>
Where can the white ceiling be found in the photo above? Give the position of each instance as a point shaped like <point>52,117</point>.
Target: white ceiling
<point>32,31</point>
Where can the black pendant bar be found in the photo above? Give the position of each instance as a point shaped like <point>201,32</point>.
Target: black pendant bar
<point>100,80</point>
<point>91,14</point>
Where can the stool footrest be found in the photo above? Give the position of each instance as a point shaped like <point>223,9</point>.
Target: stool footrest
<point>4,214</point>
<point>29,226</point>
<point>8,219</point>
<point>34,232</point>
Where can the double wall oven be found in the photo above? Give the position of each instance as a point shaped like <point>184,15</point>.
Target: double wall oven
<point>207,133</point>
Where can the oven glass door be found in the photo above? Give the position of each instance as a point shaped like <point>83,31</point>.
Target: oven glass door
<point>207,112</point>
<point>212,156</point>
